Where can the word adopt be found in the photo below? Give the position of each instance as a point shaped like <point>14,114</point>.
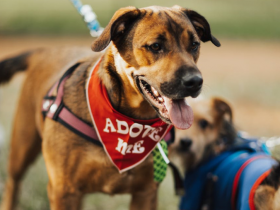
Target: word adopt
<point>136,130</point>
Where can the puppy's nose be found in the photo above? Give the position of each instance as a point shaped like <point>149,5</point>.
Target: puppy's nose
<point>192,83</point>
<point>185,143</point>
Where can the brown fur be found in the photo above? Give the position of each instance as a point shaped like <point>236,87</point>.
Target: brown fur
<point>206,142</point>
<point>76,167</point>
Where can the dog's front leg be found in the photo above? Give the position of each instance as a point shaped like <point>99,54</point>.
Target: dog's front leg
<point>145,200</point>
<point>63,193</point>
<point>62,158</point>
<point>62,198</point>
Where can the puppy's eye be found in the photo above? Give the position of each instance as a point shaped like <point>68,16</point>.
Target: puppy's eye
<point>155,47</point>
<point>203,124</point>
<point>195,46</point>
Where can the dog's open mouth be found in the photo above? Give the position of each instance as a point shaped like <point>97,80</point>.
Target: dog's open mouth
<point>175,111</point>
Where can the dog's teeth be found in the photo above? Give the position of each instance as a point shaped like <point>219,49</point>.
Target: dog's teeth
<point>185,100</point>
<point>160,99</point>
<point>154,91</point>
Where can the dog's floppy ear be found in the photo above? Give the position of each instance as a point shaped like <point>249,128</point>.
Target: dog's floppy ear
<point>223,109</point>
<point>120,22</point>
<point>201,26</point>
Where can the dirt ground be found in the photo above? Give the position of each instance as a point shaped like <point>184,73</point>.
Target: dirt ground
<point>245,73</point>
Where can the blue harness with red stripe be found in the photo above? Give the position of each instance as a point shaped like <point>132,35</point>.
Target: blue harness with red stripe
<point>229,180</point>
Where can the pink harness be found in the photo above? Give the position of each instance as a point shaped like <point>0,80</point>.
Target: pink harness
<point>54,108</point>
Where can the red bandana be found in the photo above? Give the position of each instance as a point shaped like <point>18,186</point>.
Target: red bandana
<point>126,141</point>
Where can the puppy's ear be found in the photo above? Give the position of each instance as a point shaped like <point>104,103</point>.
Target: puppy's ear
<point>223,109</point>
<point>201,26</point>
<point>120,22</point>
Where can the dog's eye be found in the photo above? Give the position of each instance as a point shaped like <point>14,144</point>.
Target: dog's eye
<point>195,46</point>
<point>203,124</point>
<point>155,47</point>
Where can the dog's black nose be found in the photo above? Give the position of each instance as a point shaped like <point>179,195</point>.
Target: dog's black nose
<point>185,143</point>
<point>192,83</point>
<point>187,82</point>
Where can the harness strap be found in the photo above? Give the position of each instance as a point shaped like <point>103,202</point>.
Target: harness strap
<point>237,178</point>
<point>80,126</point>
<point>54,108</point>
<point>254,188</point>
<point>178,180</point>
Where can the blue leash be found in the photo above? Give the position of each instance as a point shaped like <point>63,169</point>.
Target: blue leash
<point>89,17</point>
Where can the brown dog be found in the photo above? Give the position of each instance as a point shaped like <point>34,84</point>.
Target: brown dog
<point>213,133</point>
<point>147,71</point>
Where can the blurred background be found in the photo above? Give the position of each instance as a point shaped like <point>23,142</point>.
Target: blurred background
<point>245,70</point>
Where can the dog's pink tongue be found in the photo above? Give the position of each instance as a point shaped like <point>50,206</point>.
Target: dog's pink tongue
<point>181,114</point>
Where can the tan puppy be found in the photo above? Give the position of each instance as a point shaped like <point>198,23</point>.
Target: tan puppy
<point>147,70</point>
<point>211,134</point>
<point>207,127</point>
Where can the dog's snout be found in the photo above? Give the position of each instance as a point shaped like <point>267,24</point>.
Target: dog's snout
<point>193,83</point>
<point>185,143</point>
<point>187,82</point>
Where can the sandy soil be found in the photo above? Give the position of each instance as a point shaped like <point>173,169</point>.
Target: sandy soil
<point>244,72</point>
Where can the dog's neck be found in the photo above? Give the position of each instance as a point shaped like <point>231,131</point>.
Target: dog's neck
<point>122,91</point>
